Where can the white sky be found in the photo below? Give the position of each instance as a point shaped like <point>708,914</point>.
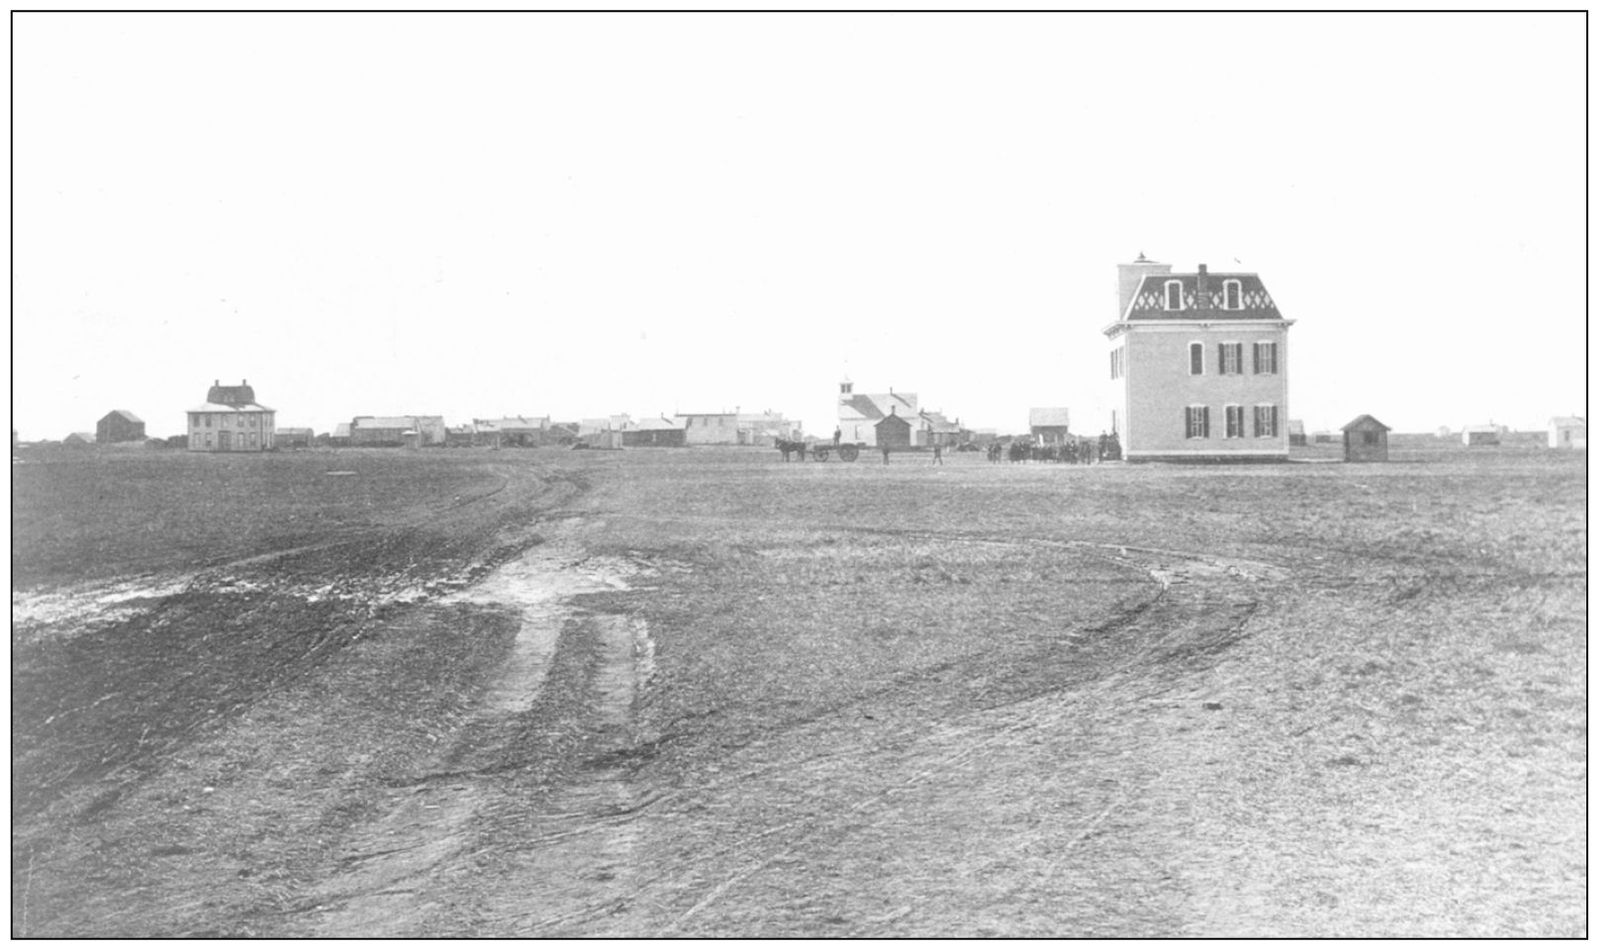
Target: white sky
<point>588,214</point>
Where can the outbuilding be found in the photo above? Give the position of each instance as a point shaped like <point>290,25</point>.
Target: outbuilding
<point>294,437</point>
<point>893,432</point>
<point>1484,435</point>
<point>1366,440</point>
<point>1050,425</point>
<point>120,425</point>
<point>1566,432</point>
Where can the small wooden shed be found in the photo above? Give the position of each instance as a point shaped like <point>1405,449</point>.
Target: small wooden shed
<point>1566,432</point>
<point>1486,435</point>
<point>893,432</point>
<point>1366,440</point>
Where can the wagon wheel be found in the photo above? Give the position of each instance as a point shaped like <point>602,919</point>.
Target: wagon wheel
<point>848,453</point>
<point>820,455</point>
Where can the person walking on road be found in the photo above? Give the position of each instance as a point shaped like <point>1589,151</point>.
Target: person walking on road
<point>935,454</point>
<point>885,453</point>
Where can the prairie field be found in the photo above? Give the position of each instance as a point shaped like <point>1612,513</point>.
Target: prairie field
<point>707,693</point>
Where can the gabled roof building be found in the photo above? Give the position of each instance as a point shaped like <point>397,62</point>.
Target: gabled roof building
<point>857,414</point>
<point>120,425</point>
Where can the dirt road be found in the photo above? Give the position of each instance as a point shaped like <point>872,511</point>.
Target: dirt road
<point>641,695</point>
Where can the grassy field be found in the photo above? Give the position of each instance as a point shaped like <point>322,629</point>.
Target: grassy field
<point>706,693</point>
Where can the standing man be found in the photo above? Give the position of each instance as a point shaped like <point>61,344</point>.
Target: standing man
<point>885,453</point>
<point>837,436</point>
<point>935,454</point>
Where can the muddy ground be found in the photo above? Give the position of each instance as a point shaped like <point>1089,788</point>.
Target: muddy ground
<point>705,693</point>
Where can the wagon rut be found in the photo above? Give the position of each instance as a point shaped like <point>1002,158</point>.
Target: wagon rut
<point>397,867</point>
<point>594,856</point>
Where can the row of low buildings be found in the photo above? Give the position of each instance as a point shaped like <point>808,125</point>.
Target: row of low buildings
<point>232,420</point>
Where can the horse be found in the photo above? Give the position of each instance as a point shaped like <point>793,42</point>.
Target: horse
<point>788,446</point>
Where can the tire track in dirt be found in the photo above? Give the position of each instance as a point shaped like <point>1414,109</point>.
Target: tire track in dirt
<point>1172,627</point>
<point>1183,579</point>
<point>394,859</point>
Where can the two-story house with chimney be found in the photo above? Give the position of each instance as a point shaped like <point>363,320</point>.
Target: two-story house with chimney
<point>231,420</point>
<point>1198,367</point>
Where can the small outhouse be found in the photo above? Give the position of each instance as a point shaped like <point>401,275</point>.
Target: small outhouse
<point>1366,440</point>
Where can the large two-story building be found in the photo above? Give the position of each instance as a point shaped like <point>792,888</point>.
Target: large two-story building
<point>231,420</point>
<point>1198,367</point>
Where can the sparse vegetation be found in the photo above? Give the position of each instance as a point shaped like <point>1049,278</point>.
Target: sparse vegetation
<point>971,700</point>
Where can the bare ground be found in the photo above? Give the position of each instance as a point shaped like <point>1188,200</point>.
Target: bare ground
<point>648,708</point>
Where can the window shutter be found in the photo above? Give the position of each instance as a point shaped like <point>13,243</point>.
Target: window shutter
<point>1221,358</point>
<point>1274,358</point>
<point>1238,358</point>
<point>1188,423</point>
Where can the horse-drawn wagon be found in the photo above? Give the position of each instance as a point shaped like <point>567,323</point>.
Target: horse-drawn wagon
<point>846,451</point>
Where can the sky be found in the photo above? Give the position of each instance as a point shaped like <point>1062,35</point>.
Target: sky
<point>585,214</point>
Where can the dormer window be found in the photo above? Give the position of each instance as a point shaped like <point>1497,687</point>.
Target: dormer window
<point>1233,295</point>
<point>846,387</point>
<point>1174,295</point>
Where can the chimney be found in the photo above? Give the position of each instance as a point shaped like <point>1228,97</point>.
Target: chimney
<point>1131,275</point>
<point>1202,290</point>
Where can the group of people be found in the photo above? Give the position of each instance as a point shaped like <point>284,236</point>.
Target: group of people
<point>1080,452</point>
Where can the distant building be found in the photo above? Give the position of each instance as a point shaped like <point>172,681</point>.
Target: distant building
<point>232,420</point>
<point>294,437</point>
<point>654,431</point>
<point>857,414</point>
<point>342,434</point>
<point>710,429</point>
<point>1050,426</point>
<point>1482,435</point>
<point>79,440</point>
<point>460,437</point>
<point>391,430</point>
<point>893,432</point>
<point>1366,440</point>
<point>761,429</point>
<point>939,430</point>
<point>120,425</point>
<point>604,424</point>
<point>1198,366</point>
<point>1566,432</point>
<point>512,431</point>
<point>1297,433</point>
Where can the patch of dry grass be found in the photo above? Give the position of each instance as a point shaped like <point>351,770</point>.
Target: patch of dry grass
<point>917,701</point>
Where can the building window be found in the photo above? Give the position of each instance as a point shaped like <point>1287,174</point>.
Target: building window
<point>1234,422</point>
<point>1266,357</point>
<point>1196,359</point>
<point>1198,422</point>
<point>1230,358</point>
<point>1233,295</point>
<point>207,420</point>
<point>1174,295</point>
<point>1266,421</point>
<point>1117,363</point>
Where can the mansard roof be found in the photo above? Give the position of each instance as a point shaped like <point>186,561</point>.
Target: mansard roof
<point>1149,301</point>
